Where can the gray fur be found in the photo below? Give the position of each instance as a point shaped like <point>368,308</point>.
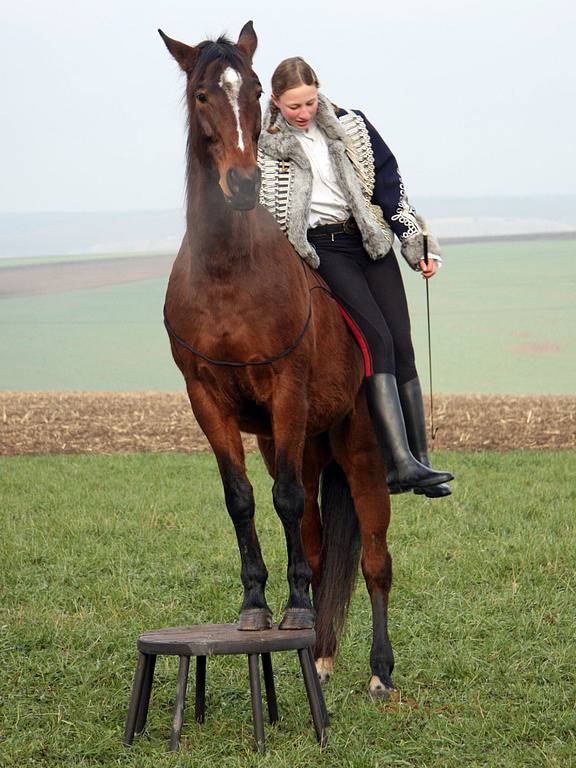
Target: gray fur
<point>284,145</point>
<point>412,248</point>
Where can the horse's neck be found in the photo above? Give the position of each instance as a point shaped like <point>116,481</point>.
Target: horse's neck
<point>220,239</point>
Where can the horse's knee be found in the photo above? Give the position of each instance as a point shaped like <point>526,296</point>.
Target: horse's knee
<point>239,498</point>
<point>289,498</point>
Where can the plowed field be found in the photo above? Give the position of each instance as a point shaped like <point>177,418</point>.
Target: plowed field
<point>110,422</point>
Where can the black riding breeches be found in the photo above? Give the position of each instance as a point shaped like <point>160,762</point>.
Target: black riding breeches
<point>372,294</point>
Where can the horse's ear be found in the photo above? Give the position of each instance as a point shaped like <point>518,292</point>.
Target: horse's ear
<point>184,54</point>
<point>247,40</point>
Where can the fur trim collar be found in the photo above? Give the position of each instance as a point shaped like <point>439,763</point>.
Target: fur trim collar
<point>284,145</point>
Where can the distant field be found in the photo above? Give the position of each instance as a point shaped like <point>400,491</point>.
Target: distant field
<point>31,261</point>
<point>503,322</point>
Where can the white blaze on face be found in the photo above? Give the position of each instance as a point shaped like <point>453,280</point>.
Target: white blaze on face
<point>231,82</point>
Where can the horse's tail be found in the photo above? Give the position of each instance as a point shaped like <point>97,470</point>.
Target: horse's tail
<point>340,556</point>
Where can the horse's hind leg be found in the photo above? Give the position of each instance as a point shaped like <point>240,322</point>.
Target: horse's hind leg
<point>357,452</point>
<point>377,570</point>
<point>223,433</point>
<point>316,456</point>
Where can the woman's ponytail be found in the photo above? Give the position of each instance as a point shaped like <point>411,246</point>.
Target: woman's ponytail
<point>274,112</point>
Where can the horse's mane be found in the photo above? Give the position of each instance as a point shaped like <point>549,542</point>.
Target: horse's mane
<point>221,49</point>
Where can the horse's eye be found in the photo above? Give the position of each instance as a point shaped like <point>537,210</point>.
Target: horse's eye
<point>201,97</point>
<point>259,94</point>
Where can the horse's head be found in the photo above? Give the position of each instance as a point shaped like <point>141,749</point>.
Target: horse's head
<point>224,112</point>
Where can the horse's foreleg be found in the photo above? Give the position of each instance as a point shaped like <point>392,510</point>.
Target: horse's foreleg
<point>289,423</point>
<point>223,433</point>
<point>289,498</point>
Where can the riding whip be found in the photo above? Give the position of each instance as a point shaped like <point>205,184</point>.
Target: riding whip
<point>433,429</point>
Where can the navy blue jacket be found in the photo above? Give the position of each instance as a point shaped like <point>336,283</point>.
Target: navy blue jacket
<point>389,191</point>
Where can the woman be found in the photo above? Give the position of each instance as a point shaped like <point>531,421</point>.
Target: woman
<point>334,187</point>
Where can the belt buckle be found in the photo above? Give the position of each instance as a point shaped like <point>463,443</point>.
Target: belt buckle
<point>349,226</point>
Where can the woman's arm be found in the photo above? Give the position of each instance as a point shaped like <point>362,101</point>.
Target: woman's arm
<point>390,195</point>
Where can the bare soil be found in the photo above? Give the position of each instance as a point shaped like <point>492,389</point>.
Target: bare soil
<point>62,276</point>
<point>111,422</point>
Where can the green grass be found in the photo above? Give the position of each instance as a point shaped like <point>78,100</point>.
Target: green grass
<point>108,338</point>
<point>503,318</point>
<point>503,322</point>
<point>97,549</point>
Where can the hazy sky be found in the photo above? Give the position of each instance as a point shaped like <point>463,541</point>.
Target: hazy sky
<point>473,98</point>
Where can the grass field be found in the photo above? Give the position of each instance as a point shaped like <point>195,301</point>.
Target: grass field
<point>97,549</point>
<point>503,321</point>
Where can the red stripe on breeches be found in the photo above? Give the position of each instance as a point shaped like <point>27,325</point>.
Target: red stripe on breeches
<point>360,340</point>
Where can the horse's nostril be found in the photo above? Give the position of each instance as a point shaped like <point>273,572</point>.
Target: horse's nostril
<point>246,186</point>
<point>243,184</point>
<point>233,178</point>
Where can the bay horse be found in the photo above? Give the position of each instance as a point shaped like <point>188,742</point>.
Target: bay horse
<point>263,349</point>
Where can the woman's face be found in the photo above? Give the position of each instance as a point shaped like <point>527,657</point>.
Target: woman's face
<point>298,105</point>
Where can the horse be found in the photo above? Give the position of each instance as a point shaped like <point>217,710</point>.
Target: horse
<point>263,349</point>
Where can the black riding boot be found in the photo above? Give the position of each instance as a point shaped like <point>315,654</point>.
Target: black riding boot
<point>404,471</point>
<point>413,409</point>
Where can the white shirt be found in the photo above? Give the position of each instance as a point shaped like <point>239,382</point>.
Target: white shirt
<point>328,204</point>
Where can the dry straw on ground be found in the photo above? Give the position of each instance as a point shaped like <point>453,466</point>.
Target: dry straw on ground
<point>110,422</point>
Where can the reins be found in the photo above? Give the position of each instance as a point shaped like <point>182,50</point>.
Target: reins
<point>238,364</point>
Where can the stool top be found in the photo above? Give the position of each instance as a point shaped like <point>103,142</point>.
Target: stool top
<point>214,639</point>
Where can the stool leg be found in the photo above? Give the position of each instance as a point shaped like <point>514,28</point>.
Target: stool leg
<point>308,672</point>
<point>179,706</point>
<point>325,714</point>
<point>200,700</point>
<point>270,689</point>
<point>256,694</point>
<point>135,698</point>
<point>146,690</point>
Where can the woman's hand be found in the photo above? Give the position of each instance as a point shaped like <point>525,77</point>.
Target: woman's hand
<point>428,270</point>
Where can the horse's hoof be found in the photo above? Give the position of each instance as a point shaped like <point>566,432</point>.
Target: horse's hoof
<point>253,619</point>
<point>324,668</point>
<point>380,691</point>
<point>297,618</point>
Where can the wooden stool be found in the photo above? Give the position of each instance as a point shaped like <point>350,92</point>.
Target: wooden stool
<point>204,640</point>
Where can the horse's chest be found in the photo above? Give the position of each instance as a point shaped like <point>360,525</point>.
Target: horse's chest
<point>242,385</point>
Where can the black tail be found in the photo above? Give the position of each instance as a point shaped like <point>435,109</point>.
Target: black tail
<point>340,556</point>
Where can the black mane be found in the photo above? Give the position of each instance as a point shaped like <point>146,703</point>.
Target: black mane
<point>218,50</point>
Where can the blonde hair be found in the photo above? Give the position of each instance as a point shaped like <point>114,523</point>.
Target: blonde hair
<point>290,73</point>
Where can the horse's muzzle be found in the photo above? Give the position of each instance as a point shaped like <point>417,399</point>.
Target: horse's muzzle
<point>244,188</point>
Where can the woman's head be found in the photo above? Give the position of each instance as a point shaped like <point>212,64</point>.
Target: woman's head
<point>294,93</point>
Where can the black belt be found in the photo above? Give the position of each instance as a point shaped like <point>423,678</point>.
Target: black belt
<point>348,227</point>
